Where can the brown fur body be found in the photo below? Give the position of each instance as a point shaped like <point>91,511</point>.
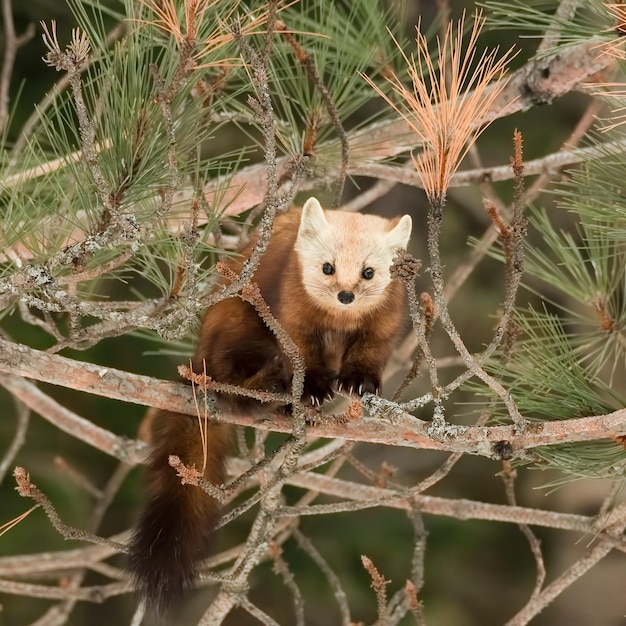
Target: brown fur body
<point>343,347</point>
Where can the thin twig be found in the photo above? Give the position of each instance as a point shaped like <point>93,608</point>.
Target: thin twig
<point>603,547</point>
<point>265,520</point>
<point>473,365</point>
<point>48,100</point>
<point>282,569</point>
<point>508,476</point>
<point>19,438</point>
<point>256,612</point>
<point>29,490</point>
<point>379,584</point>
<point>462,509</point>
<point>340,595</point>
<point>12,43</point>
<point>309,64</point>
<point>97,593</point>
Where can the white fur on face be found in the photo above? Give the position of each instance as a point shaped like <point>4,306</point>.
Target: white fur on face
<point>351,243</point>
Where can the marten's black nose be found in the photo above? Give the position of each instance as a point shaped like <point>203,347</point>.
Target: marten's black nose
<point>345,297</point>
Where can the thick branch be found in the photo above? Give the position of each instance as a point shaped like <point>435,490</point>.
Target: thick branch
<point>76,426</point>
<point>401,429</point>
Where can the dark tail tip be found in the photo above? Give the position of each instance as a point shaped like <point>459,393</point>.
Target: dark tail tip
<point>170,540</point>
<point>175,529</point>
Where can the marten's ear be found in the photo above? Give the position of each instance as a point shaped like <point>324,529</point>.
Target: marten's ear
<point>313,220</point>
<point>398,237</point>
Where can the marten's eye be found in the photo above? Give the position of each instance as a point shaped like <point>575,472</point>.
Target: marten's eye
<point>368,273</point>
<point>328,269</point>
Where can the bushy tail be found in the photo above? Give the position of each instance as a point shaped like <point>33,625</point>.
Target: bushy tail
<point>176,525</point>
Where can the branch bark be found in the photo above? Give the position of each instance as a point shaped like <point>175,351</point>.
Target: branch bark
<point>399,429</point>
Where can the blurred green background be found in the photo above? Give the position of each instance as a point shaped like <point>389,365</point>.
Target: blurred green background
<point>477,573</point>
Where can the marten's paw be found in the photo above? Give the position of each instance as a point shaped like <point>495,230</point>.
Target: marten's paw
<point>318,386</point>
<point>352,380</point>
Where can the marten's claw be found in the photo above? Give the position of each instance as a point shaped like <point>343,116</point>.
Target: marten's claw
<point>359,381</point>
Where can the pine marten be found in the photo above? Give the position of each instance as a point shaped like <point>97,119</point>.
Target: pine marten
<point>325,276</point>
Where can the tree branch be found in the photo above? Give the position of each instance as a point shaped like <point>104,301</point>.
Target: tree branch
<point>396,428</point>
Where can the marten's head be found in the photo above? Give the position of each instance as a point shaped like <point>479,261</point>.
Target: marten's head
<point>345,257</point>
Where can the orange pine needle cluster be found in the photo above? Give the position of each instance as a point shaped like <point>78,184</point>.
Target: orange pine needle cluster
<point>449,100</point>
<point>186,30</point>
<point>616,47</point>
